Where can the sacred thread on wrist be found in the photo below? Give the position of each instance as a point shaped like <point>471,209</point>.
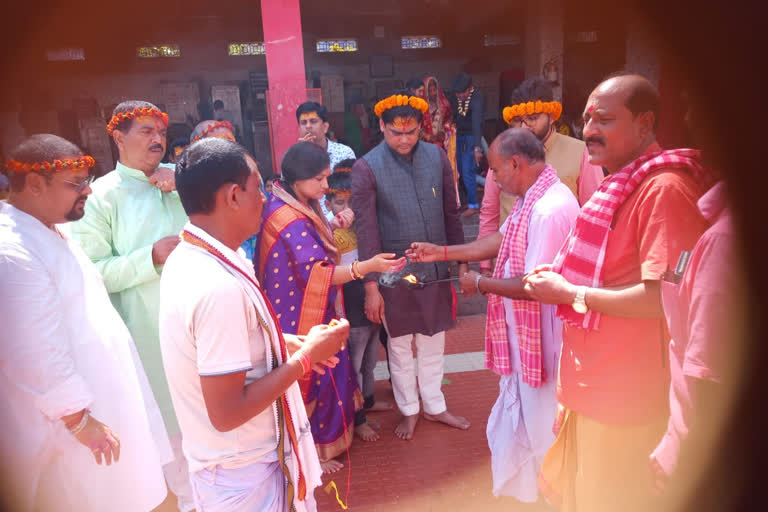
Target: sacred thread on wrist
<point>303,358</point>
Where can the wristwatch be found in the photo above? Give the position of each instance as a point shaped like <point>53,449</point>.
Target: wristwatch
<point>579,304</point>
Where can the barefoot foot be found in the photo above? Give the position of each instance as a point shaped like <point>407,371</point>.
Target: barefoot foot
<point>380,406</point>
<point>330,466</point>
<point>366,433</point>
<point>405,428</point>
<point>449,419</point>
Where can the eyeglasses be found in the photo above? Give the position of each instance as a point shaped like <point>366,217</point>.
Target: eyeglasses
<point>81,185</point>
<point>528,120</point>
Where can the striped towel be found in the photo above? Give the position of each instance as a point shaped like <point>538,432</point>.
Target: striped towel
<point>581,258</point>
<point>514,245</point>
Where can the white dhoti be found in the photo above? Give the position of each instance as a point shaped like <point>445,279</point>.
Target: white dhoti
<point>519,434</point>
<point>256,487</point>
<point>520,425</point>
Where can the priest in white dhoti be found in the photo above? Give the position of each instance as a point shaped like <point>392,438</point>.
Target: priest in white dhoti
<point>232,378</point>
<point>523,337</point>
<point>80,427</point>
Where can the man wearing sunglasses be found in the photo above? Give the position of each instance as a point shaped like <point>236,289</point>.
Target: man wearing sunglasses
<point>72,388</point>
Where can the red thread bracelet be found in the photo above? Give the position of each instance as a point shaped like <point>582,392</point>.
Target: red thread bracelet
<point>306,363</point>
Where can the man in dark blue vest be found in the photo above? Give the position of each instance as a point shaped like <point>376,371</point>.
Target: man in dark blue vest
<point>402,191</point>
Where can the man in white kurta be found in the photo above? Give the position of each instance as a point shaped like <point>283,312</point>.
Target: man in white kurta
<point>223,352</point>
<point>520,425</point>
<point>209,326</point>
<point>64,349</point>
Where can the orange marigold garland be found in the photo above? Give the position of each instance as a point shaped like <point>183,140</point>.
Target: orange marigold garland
<point>137,112</point>
<point>342,193</point>
<point>67,164</point>
<point>401,100</point>
<point>213,126</point>
<point>554,108</point>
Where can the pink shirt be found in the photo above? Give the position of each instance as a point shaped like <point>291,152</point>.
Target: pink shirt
<point>697,320</point>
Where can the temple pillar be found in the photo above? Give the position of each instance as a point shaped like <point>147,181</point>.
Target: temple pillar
<point>284,47</point>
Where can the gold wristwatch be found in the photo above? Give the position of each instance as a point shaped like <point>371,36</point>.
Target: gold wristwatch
<point>579,304</point>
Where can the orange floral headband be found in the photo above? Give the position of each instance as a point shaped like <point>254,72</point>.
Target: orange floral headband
<point>212,126</point>
<point>137,112</point>
<point>401,100</point>
<point>342,193</point>
<point>66,164</point>
<point>554,108</point>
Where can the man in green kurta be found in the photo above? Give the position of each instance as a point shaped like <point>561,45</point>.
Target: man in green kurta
<point>132,222</point>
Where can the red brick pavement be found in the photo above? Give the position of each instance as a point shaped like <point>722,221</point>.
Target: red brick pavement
<point>441,469</point>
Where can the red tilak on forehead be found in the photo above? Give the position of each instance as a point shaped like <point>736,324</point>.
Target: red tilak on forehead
<point>591,108</point>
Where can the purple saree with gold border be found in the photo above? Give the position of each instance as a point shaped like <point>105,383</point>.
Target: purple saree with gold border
<point>295,260</point>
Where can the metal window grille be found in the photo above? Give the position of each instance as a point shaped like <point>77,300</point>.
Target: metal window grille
<point>153,52</point>
<point>63,54</point>
<point>336,45</point>
<point>419,42</point>
<point>239,49</point>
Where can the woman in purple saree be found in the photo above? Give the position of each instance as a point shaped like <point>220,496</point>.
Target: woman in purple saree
<point>298,266</point>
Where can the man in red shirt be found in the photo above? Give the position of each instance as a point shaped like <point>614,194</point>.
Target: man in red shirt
<point>613,378</point>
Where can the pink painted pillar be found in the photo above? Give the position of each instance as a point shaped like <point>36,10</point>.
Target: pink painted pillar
<point>285,71</point>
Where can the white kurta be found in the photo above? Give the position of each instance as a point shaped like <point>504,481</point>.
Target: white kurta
<point>520,425</point>
<point>64,347</point>
<point>209,325</point>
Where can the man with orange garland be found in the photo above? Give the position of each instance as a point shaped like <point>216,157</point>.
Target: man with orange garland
<point>402,191</point>
<point>211,128</point>
<point>131,224</point>
<point>534,109</point>
<point>73,393</point>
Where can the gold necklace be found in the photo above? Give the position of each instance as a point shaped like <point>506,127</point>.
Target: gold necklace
<point>463,108</point>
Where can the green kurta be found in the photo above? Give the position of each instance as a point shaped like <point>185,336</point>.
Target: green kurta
<point>124,216</point>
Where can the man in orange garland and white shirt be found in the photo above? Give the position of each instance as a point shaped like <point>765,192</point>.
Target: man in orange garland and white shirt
<point>80,428</point>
